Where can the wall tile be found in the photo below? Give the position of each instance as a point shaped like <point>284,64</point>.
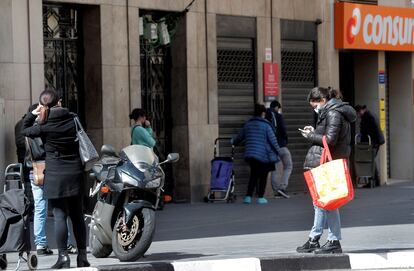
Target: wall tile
<point>236,7</point>
<point>108,96</point>
<point>6,81</point>
<point>21,81</point>
<point>38,82</point>
<point>201,40</point>
<point>263,38</point>
<point>191,20</point>
<point>219,6</point>
<point>36,31</point>
<point>135,86</point>
<point>21,107</point>
<point>6,31</point>
<point>212,96</point>
<point>254,8</point>
<point>20,32</point>
<point>9,131</point>
<point>107,38</point>
<point>134,52</point>
<point>121,95</point>
<point>212,41</point>
<point>119,36</point>
<point>283,9</point>
<point>197,96</point>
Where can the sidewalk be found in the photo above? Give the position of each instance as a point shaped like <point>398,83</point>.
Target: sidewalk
<point>377,232</point>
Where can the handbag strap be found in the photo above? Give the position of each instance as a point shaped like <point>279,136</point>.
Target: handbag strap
<point>78,125</point>
<point>326,153</point>
<point>26,140</point>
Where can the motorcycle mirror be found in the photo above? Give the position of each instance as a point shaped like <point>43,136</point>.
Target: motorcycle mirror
<point>173,157</point>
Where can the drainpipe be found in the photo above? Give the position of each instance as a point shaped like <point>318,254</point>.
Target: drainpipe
<point>206,37</point>
<point>128,52</point>
<point>30,52</point>
<point>271,28</point>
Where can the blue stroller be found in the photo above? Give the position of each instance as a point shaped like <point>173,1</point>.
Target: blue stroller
<point>222,176</point>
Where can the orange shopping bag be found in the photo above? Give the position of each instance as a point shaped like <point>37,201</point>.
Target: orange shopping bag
<point>330,183</point>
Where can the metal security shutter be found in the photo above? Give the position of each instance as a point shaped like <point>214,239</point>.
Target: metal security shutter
<point>368,2</point>
<point>298,77</point>
<point>236,78</point>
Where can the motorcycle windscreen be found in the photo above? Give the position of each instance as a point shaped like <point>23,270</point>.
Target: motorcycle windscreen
<point>139,153</point>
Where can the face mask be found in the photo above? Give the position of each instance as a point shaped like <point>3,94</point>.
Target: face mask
<point>317,109</point>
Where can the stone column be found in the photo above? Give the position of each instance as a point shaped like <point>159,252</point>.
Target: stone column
<point>21,63</point>
<point>115,84</point>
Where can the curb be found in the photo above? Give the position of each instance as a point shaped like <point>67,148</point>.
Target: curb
<point>400,259</point>
<point>391,260</point>
<point>306,262</point>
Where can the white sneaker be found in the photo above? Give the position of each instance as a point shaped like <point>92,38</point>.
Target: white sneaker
<point>283,193</point>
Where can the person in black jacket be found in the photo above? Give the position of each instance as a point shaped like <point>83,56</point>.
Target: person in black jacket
<point>276,119</point>
<point>63,174</point>
<point>334,118</point>
<point>369,127</point>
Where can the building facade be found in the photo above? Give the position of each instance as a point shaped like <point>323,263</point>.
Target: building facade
<point>197,68</point>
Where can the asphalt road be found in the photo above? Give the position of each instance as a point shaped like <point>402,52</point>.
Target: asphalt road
<point>377,220</point>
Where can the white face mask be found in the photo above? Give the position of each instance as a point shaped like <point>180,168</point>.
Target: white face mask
<point>317,109</point>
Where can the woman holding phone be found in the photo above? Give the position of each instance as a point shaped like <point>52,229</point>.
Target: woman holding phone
<point>63,172</point>
<point>334,119</point>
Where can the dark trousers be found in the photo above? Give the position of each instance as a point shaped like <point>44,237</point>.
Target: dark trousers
<point>258,177</point>
<point>72,207</point>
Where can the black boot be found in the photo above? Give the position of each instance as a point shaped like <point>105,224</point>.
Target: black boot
<point>331,246</point>
<point>310,245</point>
<point>82,260</point>
<point>63,260</point>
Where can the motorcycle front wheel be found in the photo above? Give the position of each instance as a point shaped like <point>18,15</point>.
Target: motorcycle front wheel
<point>131,242</point>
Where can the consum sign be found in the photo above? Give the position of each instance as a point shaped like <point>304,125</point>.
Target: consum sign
<point>370,27</point>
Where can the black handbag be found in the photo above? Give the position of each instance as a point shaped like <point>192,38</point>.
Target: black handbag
<point>87,151</point>
<point>36,148</point>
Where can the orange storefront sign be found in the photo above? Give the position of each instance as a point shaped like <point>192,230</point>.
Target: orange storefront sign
<point>370,27</point>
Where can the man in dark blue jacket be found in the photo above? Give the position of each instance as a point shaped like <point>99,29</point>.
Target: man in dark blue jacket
<point>276,119</point>
<point>261,152</point>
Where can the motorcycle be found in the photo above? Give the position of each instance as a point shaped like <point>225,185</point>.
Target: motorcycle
<point>128,189</point>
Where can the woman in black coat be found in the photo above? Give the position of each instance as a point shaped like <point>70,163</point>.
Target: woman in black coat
<point>334,118</point>
<point>63,173</point>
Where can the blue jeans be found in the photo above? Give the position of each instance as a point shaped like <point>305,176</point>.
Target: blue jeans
<point>325,218</point>
<point>40,214</point>
<point>286,159</point>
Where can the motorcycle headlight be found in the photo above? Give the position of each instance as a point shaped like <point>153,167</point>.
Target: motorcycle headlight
<point>151,172</point>
<point>154,183</point>
<point>143,167</point>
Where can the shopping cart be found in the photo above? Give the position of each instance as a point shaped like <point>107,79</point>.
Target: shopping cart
<point>222,176</point>
<point>364,162</point>
<point>14,219</point>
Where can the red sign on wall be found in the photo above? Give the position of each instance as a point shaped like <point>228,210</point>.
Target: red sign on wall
<point>270,81</point>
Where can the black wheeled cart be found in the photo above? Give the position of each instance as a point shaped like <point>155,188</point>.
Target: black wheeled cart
<point>364,162</point>
<point>14,219</point>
